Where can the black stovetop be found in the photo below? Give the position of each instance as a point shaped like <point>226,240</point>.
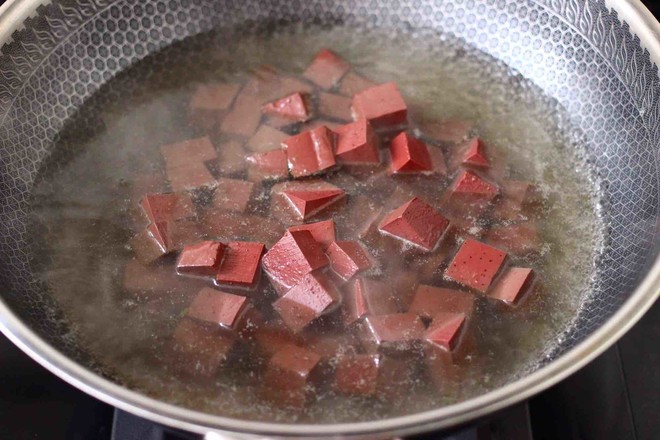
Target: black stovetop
<point>615,397</point>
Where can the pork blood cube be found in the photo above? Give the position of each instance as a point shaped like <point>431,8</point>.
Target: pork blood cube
<point>232,194</point>
<point>326,69</point>
<point>269,165</point>
<point>394,333</point>
<point>358,374</point>
<point>289,375</point>
<point>323,232</point>
<point>475,265</point>
<point>240,265</point>
<point>365,296</point>
<point>191,176</point>
<point>311,197</point>
<point>357,144</point>
<point>151,243</point>
<point>296,254</point>
<point>471,184</point>
<point>217,307</point>
<point>266,139</point>
<point>450,131</point>
<point>347,258</point>
<point>445,330</point>
<point>200,349</point>
<point>428,301</point>
<point>475,154</point>
<point>313,296</point>
<point>218,96</point>
<point>470,195</point>
<point>310,152</point>
<point>231,157</point>
<point>409,155</point>
<point>416,222</point>
<point>201,259</point>
<point>189,151</point>
<point>292,107</point>
<point>244,116</point>
<point>382,105</point>
<point>512,285</point>
<point>353,83</point>
<point>335,106</point>
<point>163,207</point>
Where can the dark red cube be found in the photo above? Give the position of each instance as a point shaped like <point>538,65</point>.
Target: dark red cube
<point>475,265</point>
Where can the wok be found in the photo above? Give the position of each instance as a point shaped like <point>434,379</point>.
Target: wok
<point>598,59</point>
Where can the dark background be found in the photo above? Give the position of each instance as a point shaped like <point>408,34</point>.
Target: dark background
<point>616,397</point>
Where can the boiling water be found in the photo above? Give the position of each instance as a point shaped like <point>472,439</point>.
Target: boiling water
<point>83,209</point>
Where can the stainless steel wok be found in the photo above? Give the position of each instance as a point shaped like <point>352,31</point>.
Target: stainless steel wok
<point>599,59</point>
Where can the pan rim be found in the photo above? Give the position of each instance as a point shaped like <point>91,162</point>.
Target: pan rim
<point>644,25</point>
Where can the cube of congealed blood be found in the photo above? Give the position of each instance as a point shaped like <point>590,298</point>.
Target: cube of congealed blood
<point>217,96</point>
<point>438,164</point>
<point>189,151</point>
<point>357,144</point>
<point>306,199</point>
<point>269,165</point>
<point>183,232</point>
<point>347,258</point>
<point>517,197</point>
<point>147,184</point>
<point>403,283</point>
<point>446,329</point>
<point>358,374</point>
<point>382,105</point>
<point>475,154</point>
<point>334,106</point>
<point>290,84</point>
<point>313,296</point>
<point>271,337</point>
<point>201,259</point>
<point>219,308</point>
<point>294,107</point>
<point>520,239</point>
<point>209,101</point>
<point>330,346</point>
<point>266,139</point>
<point>244,116</point>
<point>240,265</point>
<point>416,222</point>
<point>450,131</point>
<point>409,155</point>
<point>310,152</point>
<point>470,194</point>
<point>428,301</point>
<point>151,243</point>
<point>232,157</point>
<point>323,232</point>
<point>393,333</point>
<point>200,349</point>
<point>366,296</point>
<point>362,214</point>
<point>326,69</point>
<point>353,83</point>
<point>296,254</point>
<point>230,225</point>
<point>512,285</point>
<point>475,265</point>
<point>289,376</point>
<point>193,175</point>
<point>164,207</point>
<point>232,194</point>
<point>442,367</point>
